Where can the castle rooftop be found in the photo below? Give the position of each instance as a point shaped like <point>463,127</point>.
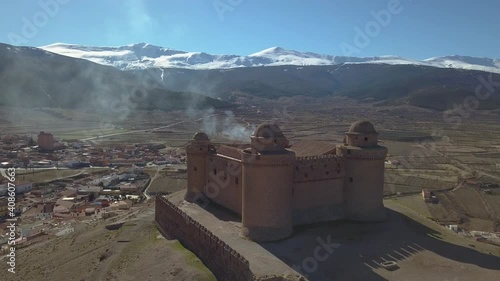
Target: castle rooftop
<point>362,127</point>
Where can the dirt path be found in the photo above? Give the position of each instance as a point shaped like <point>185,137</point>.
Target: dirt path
<point>144,130</point>
<point>151,182</point>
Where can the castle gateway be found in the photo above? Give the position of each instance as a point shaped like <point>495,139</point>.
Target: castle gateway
<point>274,186</point>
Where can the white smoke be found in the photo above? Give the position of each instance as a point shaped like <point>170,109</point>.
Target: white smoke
<point>225,126</point>
<point>209,124</point>
<point>234,130</point>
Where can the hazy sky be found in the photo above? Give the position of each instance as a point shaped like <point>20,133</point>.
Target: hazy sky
<point>416,28</point>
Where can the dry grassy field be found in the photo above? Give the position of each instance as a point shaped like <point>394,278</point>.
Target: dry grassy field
<point>166,184</point>
<point>39,176</point>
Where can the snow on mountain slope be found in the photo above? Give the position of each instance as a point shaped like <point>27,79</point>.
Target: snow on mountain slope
<point>142,55</point>
<point>464,62</point>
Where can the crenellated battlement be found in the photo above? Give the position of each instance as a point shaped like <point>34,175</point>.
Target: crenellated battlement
<point>327,158</point>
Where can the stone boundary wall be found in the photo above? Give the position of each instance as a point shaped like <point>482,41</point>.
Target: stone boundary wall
<point>224,262</point>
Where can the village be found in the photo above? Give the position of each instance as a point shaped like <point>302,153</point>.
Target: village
<point>61,186</point>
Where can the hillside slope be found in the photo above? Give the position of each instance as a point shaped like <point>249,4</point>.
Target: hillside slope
<point>32,77</point>
<point>420,86</point>
<point>37,78</point>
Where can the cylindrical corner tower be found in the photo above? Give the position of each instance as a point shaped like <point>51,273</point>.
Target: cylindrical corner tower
<point>364,173</point>
<point>197,153</point>
<point>267,186</point>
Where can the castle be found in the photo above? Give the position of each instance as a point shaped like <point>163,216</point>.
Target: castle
<point>274,186</point>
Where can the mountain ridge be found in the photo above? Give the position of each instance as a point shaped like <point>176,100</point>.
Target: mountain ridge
<point>32,77</point>
<point>37,78</point>
<point>143,56</point>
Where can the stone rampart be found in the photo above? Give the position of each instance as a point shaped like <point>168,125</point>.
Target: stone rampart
<point>224,262</point>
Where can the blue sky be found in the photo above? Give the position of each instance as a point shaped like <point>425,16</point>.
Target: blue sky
<point>417,28</point>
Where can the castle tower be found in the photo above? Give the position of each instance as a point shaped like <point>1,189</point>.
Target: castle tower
<point>267,185</point>
<point>364,173</point>
<point>197,153</point>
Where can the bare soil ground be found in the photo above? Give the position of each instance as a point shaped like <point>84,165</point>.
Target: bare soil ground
<point>137,251</point>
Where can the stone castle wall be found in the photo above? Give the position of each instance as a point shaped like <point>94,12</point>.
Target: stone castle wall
<point>267,195</point>
<point>224,262</point>
<point>364,182</point>
<point>224,173</point>
<point>318,168</point>
<point>318,189</point>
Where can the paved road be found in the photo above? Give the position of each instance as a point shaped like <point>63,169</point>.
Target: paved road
<point>151,182</point>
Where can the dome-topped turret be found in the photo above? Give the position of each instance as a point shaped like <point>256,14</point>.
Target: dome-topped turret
<point>268,130</point>
<point>362,127</point>
<point>268,137</point>
<point>200,137</point>
<point>361,134</point>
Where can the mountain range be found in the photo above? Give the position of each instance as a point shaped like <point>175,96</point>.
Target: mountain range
<point>37,77</point>
<point>142,56</point>
<point>33,77</point>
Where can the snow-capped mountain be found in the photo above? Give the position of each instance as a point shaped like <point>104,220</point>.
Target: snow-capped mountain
<point>464,62</point>
<point>142,56</point>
